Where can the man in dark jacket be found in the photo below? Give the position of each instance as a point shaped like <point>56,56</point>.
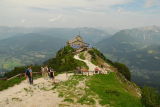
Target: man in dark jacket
<point>28,74</point>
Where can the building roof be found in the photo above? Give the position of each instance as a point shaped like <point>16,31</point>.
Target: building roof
<point>77,42</point>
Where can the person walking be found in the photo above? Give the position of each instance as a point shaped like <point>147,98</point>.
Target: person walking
<point>52,74</point>
<point>42,70</point>
<point>96,70</point>
<point>29,76</point>
<point>46,72</point>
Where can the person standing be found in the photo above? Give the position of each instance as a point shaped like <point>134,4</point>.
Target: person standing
<point>42,70</point>
<point>52,74</point>
<point>46,72</point>
<point>28,74</point>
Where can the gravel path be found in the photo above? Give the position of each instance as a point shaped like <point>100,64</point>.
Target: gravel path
<point>38,95</point>
<point>88,63</point>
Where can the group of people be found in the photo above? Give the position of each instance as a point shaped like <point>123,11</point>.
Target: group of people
<point>80,70</point>
<point>100,70</point>
<point>47,73</point>
<point>97,70</point>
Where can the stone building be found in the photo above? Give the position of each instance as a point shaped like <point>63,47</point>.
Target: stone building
<point>77,43</point>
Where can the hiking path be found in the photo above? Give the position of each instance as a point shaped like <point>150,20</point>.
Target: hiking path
<point>40,94</point>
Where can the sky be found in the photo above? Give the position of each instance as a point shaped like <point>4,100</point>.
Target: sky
<point>80,13</point>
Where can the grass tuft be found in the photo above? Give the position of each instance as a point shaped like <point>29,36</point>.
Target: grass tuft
<point>69,100</point>
<point>86,100</point>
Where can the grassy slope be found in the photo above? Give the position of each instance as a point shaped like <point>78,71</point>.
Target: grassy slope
<point>112,91</point>
<point>81,55</point>
<point>74,93</point>
<point>5,84</point>
<point>106,89</point>
<point>64,60</point>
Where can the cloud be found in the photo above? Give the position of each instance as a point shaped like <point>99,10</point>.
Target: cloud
<point>65,3</point>
<point>23,20</point>
<point>151,3</point>
<point>78,13</point>
<point>39,9</point>
<point>54,19</point>
<point>125,12</point>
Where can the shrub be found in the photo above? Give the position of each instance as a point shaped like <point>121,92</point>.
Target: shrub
<point>123,69</point>
<point>81,55</point>
<point>94,52</point>
<point>150,97</point>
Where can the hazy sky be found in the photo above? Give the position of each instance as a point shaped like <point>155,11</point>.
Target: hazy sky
<point>80,13</point>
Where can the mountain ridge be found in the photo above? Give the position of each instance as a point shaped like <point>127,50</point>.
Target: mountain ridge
<point>137,49</point>
<point>25,45</point>
<point>115,85</point>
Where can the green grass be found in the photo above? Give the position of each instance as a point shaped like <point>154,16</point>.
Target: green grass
<point>86,100</point>
<point>107,89</point>
<point>64,60</point>
<point>81,55</point>
<point>68,100</point>
<point>74,94</point>
<point>112,92</point>
<point>5,84</point>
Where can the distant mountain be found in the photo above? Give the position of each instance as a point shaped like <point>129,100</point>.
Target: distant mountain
<point>91,35</point>
<point>139,48</point>
<point>28,49</point>
<point>6,32</point>
<point>21,46</point>
<point>32,42</point>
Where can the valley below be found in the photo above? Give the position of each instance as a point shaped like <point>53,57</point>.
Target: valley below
<point>138,48</point>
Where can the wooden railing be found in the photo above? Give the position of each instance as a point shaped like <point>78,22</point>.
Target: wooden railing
<point>18,75</point>
<point>3,78</point>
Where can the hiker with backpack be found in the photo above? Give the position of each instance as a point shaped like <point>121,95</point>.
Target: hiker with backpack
<point>52,75</point>
<point>28,74</point>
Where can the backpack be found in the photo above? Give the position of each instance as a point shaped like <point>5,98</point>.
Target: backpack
<point>27,72</point>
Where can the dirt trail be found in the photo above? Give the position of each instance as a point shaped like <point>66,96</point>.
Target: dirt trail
<point>38,95</point>
<point>41,94</point>
<point>88,63</point>
<point>91,66</point>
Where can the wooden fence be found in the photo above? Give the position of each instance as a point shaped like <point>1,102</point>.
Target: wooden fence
<point>18,75</point>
